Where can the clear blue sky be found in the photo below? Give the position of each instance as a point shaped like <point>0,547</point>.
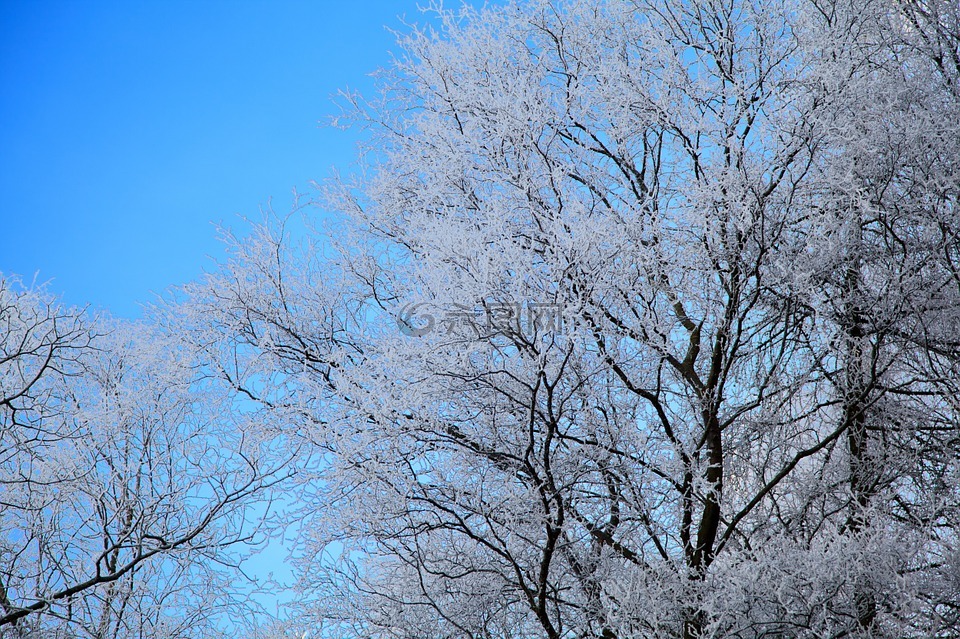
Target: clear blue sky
<point>127,127</point>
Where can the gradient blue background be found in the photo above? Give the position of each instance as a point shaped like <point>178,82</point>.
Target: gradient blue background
<point>128,128</point>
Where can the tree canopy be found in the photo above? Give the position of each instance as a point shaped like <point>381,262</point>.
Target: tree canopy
<point>640,321</point>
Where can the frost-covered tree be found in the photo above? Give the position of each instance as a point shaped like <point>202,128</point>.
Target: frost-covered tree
<point>640,322</point>
<point>127,486</point>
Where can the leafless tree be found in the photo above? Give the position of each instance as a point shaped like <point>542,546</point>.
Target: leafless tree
<point>128,487</point>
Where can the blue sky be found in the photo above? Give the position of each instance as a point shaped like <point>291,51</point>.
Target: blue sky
<point>127,128</point>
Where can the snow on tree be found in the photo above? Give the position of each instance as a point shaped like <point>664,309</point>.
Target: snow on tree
<point>746,424</point>
<point>640,321</point>
<point>126,488</point>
